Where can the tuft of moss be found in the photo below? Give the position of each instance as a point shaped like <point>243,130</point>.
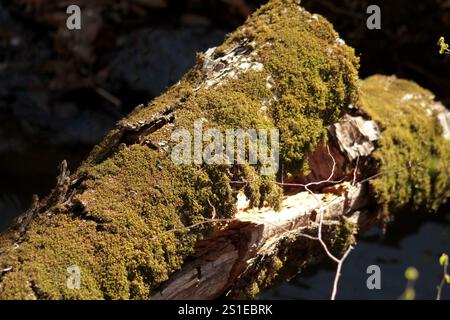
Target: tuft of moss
<point>413,157</point>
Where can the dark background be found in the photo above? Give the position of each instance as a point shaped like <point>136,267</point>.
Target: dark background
<point>61,91</point>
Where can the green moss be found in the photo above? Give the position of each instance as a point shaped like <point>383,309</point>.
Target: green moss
<point>116,227</point>
<point>342,236</point>
<point>271,193</point>
<point>103,149</point>
<point>52,245</point>
<point>315,78</point>
<point>119,237</point>
<point>412,155</point>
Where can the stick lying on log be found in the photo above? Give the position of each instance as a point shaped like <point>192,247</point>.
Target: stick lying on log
<point>131,223</point>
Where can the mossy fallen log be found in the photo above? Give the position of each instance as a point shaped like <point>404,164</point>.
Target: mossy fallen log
<point>139,226</point>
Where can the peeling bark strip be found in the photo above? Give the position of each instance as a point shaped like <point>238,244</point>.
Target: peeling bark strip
<point>140,227</point>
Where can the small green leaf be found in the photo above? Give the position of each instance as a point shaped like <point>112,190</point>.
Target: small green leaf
<point>443,47</point>
<point>443,260</point>
<point>447,278</point>
<point>411,274</point>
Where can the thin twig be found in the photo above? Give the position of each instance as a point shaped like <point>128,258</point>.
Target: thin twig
<point>213,217</point>
<point>341,261</point>
<point>442,283</point>
<point>338,273</point>
<point>315,183</point>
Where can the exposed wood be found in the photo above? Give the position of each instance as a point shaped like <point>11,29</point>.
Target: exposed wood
<point>231,253</point>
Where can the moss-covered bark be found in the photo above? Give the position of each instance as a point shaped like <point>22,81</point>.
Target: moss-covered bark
<point>413,155</point>
<point>130,191</point>
<point>288,70</point>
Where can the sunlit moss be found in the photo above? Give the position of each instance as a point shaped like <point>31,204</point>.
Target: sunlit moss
<point>413,156</point>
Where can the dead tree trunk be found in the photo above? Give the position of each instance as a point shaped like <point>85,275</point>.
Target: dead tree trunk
<point>135,224</point>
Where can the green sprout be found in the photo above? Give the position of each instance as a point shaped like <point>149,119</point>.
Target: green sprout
<point>443,261</point>
<point>443,47</point>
